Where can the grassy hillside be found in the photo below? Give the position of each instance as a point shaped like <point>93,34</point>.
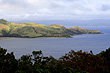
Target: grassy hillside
<point>33,30</point>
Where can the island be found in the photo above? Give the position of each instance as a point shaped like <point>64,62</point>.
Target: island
<point>34,30</point>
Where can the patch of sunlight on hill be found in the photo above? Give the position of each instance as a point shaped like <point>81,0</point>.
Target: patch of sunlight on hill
<point>18,24</point>
<point>4,26</point>
<point>34,24</point>
<point>56,26</point>
<point>77,27</point>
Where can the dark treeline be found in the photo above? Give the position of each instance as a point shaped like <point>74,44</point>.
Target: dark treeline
<point>72,62</point>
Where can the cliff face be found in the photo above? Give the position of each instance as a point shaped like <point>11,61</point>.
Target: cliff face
<point>33,30</point>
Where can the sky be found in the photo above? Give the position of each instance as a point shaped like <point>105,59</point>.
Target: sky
<point>19,10</point>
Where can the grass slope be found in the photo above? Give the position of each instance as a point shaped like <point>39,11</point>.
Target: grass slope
<point>33,30</point>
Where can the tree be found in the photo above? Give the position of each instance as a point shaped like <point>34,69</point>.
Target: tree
<point>106,55</point>
<point>8,63</point>
<point>25,64</point>
<point>84,61</point>
<point>37,56</point>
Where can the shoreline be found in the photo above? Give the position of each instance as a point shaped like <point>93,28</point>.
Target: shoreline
<point>34,38</point>
<point>40,37</point>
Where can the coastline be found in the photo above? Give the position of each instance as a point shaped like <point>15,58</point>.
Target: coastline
<point>40,37</point>
<point>7,37</point>
<point>34,38</point>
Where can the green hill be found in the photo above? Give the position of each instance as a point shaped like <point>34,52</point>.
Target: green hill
<point>34,30</point>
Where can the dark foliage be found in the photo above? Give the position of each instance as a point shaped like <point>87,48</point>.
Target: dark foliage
<point>73,62</point>
<point>8,63</point>
<point>106,56</point>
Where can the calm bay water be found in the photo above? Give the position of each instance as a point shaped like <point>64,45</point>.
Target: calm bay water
<point>57,47</point>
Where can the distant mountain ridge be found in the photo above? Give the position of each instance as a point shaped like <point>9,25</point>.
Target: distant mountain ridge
<point>69,23</point>
<point>34,30</point>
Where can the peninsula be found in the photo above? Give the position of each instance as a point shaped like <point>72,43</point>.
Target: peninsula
<point>34,30</point>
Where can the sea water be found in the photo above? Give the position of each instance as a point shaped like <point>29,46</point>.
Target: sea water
<point>57,47</point>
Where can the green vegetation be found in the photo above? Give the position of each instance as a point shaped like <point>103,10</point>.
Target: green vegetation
<point>34,30</point>
<point>72,62</point>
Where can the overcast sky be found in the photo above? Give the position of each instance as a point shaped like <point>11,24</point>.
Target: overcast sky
<point>18,10</point>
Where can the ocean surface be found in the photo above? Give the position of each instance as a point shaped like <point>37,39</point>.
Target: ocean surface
<point>57,47</point>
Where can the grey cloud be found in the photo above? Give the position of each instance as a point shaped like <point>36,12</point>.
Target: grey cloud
<point>13,2</point>
<point>13,5</point>
<point>9,1</point>
<point>54,9</point>
<point>105,7</point>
